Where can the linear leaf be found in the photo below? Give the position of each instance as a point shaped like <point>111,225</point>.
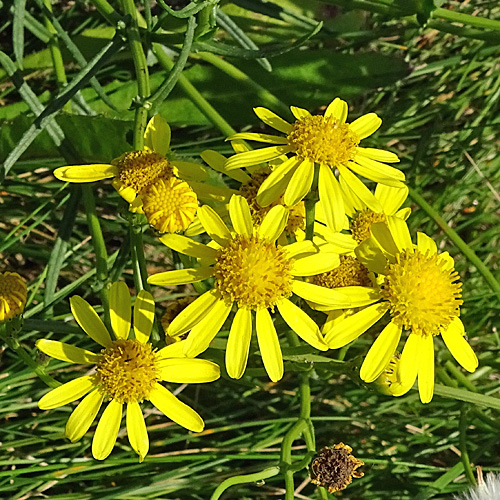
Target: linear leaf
<point>18,31</point>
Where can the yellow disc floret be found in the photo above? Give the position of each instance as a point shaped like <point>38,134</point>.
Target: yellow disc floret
<point>170,204</point>
<point>423,292</point>
<point>362,222</point>
<point>127,371</point>
<point>13,294</point>
<point>323,140</point>
<point>350,272</point>
<point>139,169</point>
<point>254,272</point>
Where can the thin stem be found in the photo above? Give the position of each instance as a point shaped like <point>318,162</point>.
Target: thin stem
<point>55,51</point>
<point>459,242</point>
<point>459,376</point>
<point>458,17</point>
<point>310,205</point>
<point>464,454</point>
<point>141,74</point>
<point>138,258</point>
<point>107,11</point>
<point>196,98</point>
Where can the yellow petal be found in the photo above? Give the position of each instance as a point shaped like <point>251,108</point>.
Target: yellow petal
<point>188,246</point>
<point>157,135</point>
<point>181,276</point>
<point>85,173</point>
<point>365,125</point>
<point>454,338</point>
<point>299,112</point>
<point>276,183</point>
<point>190,171</point>
<point>361,296</point>
<point>269,345</point>
<point>274,223</point>
<point>408,365</point>
<point>378,155</point>
<point>218,163</point>
<point>214,225</point>
<point>353,326</point>
<point>370,254</point>
<point>119,309</point>
<point>300,183</point>
<point>83,416</point>
<point>250,158</point>
<point>317,263</point>
<point>426,369</point>
<point>175,350</point>
<point>175,410</point>
<point>333,298</point>
<point>337,109</point>
<point>391,198</point>
<point>377,171</point>
<point>252,136</point>
<point>380,352</point>
<point>273,120</point>
<point>88,319</point>
<point>361,195</point>
<point>331,199</point>
<point>66,393</point>
<point>188,371</point>
<point>400,233</point>
<point>238,343</point>
<point>300,322</point>
<point>426,244</point>
<point>136,430</point>
<point>241,217</point>
<point>305,247</point>
<point>384,238</point>
<point>67,352</point>
<point>107,430</point>
<point>144,316</point>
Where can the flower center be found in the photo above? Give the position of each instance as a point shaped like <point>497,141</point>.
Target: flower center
<point>139,169</point>
<point>350,272</point>
<point>253,272</point>
<point>423,294</point>
<point>323,140</point>
<point>297,214</point>
<point>12,295</point>
<point>127,371</point>
<point>362,222</point>
<point>170,204</point>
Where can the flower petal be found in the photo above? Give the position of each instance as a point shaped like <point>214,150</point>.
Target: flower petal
<point>107,430</point>
<point>120,309</point>
<point>301,323</point>
<point>299,112</point>
<point>136,430</point>
<point>353,326</point>
<point>333,298</point>
<point>365,125</point>
<point>426,369</point>
<point>380,352</point>
<point>85,173</point>
<point>181,276</point>
<point>175,350</point>
<point>454,338</point>
<point>370,254</point>
<point>67,352</point>
<point>188,371</point>
<point>83,416</point>
<point>214,225</point>
<point>391,198</point>
<point>361,296</point>
<point>88,319</point>
<point>273,120</point>
<point>144,316</point>
<point>408,365</point>
<point>337,109</point>
<point>274,223</point>
<point>202,334</point>
<point>269,345</point>
<point>317,263</point>
<point>331,198</point>
<point>250,158</point>
<point>276,183</point>
<point>378,155</point>
<point>426,244</point>
<point>188,246</point>
<point>377,171</point>
<point>218,163</point>
<point>300,183</point>
<point>190,171</point>
<point>157,135</point>
<point>66,393</point>
<point>384,238</point>
<point>252,136</point>
<point>175,410</point>
<point>238,343</point>
<point>400,233</point>
<point>241,218</point>
<point>192,314</point>
<point>361,195</point>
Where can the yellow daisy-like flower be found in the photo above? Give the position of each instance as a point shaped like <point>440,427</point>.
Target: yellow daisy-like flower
<point>127,371</point>
<point>325,140</point>
<point>253,273</point>
<point>13,293</point>
<point>421,293</point>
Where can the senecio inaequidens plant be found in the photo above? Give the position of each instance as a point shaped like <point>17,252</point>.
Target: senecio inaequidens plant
<point>297,249</point>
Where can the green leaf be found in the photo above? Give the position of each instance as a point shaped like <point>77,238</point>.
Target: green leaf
<point>18,30</point>
<point>467,396</point>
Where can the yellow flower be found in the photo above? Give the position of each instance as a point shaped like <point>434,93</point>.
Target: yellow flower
<point>421,293</point>
<point>13,294</point>
<point>325,140</point>
<point>127,371</point>
<point>254,273</point>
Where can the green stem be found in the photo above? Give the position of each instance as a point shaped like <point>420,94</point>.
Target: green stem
<point>310,205</point>
<point>138,258</point>
<point>107,11</point>
<point>244,478</point>
<point>196,98</point>
<point>55,50</point>
<point>459,376</point>
<point>464,454</point>
<point>459,242</point>
<point>458,17</point>
<point>141,74</point>
<point>99,246</point>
